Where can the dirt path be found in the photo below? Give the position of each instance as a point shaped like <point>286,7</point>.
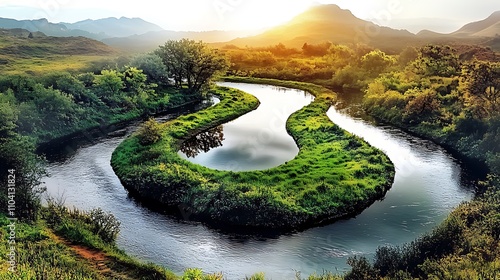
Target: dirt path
<point>94,258</point>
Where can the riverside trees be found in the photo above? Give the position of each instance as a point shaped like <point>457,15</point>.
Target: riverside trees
<point>191,64</point>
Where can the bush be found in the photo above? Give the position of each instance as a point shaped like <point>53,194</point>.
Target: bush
<point>150,132</point>
<point>104,224</point>
<point>361,269</point>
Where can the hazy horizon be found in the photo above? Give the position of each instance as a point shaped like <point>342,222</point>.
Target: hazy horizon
<point>198,15</point>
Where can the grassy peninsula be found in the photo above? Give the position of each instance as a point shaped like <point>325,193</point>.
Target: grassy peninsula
<point>334,175</point>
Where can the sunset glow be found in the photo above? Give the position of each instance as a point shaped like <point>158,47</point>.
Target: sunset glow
<point>198,15</point>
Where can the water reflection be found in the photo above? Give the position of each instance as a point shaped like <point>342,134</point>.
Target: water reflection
<point>203,142</point>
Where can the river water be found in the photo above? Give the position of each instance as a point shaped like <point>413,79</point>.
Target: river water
<point>429,182</point>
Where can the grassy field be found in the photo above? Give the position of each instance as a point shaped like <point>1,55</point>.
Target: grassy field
<point>41,54</point>
<point>334,175</point>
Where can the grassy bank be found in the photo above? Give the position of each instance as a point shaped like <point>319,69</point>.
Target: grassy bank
<point>334,175</point>
<point>69,250</point>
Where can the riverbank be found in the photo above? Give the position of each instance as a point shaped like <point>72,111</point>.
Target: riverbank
<point>335,174</point>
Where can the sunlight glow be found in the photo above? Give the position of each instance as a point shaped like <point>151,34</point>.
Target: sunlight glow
<point>199,15</point>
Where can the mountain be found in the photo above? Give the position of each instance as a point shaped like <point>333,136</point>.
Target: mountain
<point>44,26</point>
<point>114,27</point>
<point>151,40</point>
<point>329,23</point>
<point>489,27</point>
<point>94,29</point>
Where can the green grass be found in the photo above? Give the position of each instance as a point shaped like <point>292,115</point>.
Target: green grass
<point>39,55</point>
<point>334,175</point>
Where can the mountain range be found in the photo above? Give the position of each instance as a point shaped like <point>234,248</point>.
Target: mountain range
<point>489,27</point>
<point>327,23</point>
<point>94,29</point>
<point>331,23</point>
<point>318,24</point>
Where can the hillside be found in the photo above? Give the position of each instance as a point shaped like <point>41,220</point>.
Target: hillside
<point>17,43</point>
<point>488,27</point>
<point>329,23</point>
<point>114,27</point>
<point>21,54</point>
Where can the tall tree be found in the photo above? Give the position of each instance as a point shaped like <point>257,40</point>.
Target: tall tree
<point>482,85</point>
<point>192,64</point>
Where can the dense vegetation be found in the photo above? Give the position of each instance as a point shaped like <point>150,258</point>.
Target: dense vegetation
<point>331,65</point>
<point>335,173</point>
<point>437,96</point>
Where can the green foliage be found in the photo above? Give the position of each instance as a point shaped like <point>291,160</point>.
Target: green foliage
<point>108,86</point>
<point>361,269</point>
<point>104,224</point>
<point>149,132</point>
<point>481,83</point>
<point>326,64</point>
<point>437,60</point>
<point>61,103</point>
<point>20,166</point>
<point>152,65</point>
<point>192,63</point>
<point>377,61</point>
<point>461,112</point>
<point>330,178</point>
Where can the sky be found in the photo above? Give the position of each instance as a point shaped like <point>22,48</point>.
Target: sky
<point>199,15</point>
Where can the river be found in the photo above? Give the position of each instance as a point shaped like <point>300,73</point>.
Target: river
<point>429,182</point>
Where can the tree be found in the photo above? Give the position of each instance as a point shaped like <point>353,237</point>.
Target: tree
<point>482,84</point>
<point>376,62</point>
<point>8,114</point>
<point>436,60</point>
<point>316,50</point>
<point>192,63</point>
<point>423,105</point>
<point>151,65</point>
<point>109,86</point>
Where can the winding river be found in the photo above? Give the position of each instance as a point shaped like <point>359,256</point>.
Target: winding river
<point>428,184</point>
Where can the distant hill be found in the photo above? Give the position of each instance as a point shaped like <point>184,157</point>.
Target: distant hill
<point>484,33</point>
<point>329,23</point>
<point>19,32</point>
<point>94,29</point>
<point>44,26</point>
<point>18,43</point>
<point>151,40</point>
<point>489,27</point>
<point>114,27</point>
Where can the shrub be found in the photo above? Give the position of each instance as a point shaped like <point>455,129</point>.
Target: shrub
<point>361,269</point>
<point>150,132</point>
<point>104,224</point>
